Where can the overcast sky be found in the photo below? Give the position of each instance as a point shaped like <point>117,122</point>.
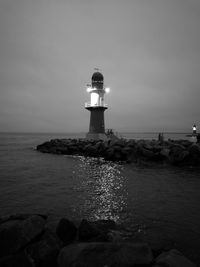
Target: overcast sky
<point>148,51</point>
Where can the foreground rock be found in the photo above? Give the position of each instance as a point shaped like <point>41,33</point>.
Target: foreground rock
<point>180,152</point>
<point>173,258</point>
<point>44,251</point>
<point>105,254</point>
<point>66,231</point>
<point>96,231</point>
<point>16,234</point>
<point>28,240</point>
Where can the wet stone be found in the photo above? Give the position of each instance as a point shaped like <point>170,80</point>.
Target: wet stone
<point>66,231</point>
<point>15,234</point>
<point>105,254</point>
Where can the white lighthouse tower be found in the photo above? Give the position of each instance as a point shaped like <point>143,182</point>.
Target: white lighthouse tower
<point>96,106</point>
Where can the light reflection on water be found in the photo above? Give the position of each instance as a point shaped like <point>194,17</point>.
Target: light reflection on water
<point>104,194</point>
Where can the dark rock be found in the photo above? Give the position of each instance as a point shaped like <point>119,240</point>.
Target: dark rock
<point>177,154</point>
<point>72,149</point>
<point>194,149</point>
<point>114,236</point>
<point>118,148</point>
<point>194,154</point>
<point>18,260</point>
<point>127,150</point>
<point>157,148</point>
<point>66,231</point>
<point>44,252</point>
<point>63,151</point>
<point>105,254</point>
<point>173,258</point>
<point>105,225</point>
<point>10,238</point>
<point>32,227</point>
<point>132,156</point>
<point>96,230</point>
<point>186,143</point>
<point>89,231</point>
<point>15,234</point>
<point>165,152</point>
<point>118,156</point>
<point>91,151</point>
<point>19,217</point>
<point>52,222</point>
<point>150,154</point>
<point>110,154</point>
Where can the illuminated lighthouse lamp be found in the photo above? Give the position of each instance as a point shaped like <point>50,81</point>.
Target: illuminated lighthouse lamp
<point>96,96</point>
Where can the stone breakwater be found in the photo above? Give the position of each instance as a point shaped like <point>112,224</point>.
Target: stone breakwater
<point>179,152</point>
<point>32,240</point>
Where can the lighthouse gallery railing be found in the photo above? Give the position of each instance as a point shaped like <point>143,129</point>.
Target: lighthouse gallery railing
<point>87,105</point>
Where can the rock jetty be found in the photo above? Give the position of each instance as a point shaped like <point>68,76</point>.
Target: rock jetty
<point>32,240</point>
<point>175,152</point>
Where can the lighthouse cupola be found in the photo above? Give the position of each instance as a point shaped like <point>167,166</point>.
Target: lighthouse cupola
<point>96,106</point>
<point>97,80</point>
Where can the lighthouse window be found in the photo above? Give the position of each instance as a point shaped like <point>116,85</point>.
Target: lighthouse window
<point>94,99</point>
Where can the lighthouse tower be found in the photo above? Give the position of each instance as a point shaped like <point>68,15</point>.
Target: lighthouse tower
<point>96,106</point>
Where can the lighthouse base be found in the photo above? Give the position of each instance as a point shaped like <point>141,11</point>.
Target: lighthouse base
<point>96,136</point>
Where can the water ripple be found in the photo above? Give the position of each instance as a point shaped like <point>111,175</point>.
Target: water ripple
<point>103,185</point>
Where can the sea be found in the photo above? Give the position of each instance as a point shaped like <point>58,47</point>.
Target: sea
<point>158,202</point>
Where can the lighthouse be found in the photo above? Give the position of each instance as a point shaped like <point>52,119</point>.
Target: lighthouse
<point>96,106</point>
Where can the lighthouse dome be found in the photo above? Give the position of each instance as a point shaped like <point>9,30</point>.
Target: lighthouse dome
<point>97,77</point>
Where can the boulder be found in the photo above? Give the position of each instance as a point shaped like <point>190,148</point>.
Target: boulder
<point>102,148</point>
<point>118,156</point>
<point>132,155</point>
<point>157,148</point>
<point>173,258</point>
<point>105,254</point>
<point>88,231</point>
<point>20,259</point>
<point>118,148</point>
<point>165,152</point>
<point>194,154</point>
<point>18,216</point>
<point>52,222</point>
<point>66,231</point>
<point>114,236</point>
<point>72,149</point>
<point>178,154</point>
<point>15,234</point>
<point>150,155</point>
<point>90,150</point>
<point>185,143</point>
<point>131,143</point>
<point>96,231</point>
<point>63,150</point>
<point>32,227</point>
<point>105,225</point>
<point>194,149</point>
<point>45,251</point>
<point>109,154</point>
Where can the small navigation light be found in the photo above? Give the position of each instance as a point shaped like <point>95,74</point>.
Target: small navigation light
<point>107,90</point>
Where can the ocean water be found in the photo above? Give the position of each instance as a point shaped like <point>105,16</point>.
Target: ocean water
<point>160,203</point>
